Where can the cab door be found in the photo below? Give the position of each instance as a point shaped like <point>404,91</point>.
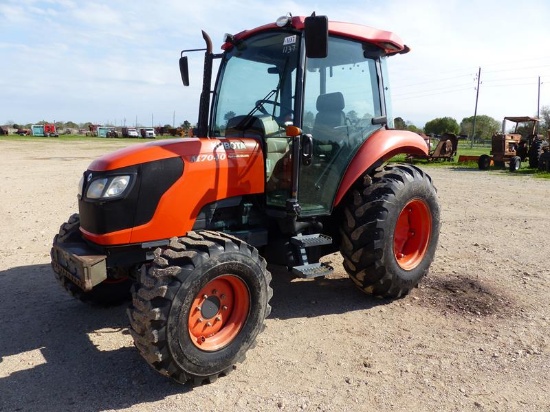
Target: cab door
<point>342,95</point>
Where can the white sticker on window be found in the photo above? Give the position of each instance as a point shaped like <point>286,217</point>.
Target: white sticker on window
<point>289,40</point>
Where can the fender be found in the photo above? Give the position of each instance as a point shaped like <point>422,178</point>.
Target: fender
<point>382,145</point>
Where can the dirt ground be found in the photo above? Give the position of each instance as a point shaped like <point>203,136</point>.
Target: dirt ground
<point>475,336</point>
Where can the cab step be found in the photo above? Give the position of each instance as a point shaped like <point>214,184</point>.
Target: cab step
<point>317,239</point>
<point>312,270</point>
<point>304,268</point>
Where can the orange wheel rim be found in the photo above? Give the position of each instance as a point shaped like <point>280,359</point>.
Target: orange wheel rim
<point>412,234</point>
<point>218,312</point>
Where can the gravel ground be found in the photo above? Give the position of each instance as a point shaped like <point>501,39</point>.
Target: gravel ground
<point>473,337</point>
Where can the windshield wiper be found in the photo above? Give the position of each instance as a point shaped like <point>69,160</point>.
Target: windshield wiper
<point>245,122</point>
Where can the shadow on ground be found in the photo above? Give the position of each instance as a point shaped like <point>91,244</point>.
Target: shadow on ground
<point>65,370</point>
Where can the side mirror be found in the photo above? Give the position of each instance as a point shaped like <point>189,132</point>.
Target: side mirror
<point>184,70</point>
<point>316,36</point>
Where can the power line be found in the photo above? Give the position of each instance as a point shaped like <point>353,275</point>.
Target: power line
<point>411,95</point>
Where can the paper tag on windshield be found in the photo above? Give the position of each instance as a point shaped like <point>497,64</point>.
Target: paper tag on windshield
<point>289,40</point>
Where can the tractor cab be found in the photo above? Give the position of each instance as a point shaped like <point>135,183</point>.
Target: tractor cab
<point>334,96</point>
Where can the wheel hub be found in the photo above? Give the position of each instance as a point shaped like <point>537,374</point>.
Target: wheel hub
<point>210,307</point>
<point>218,312</point>
<point>412,234</point>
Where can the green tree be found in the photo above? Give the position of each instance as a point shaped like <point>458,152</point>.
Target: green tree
<point>442,125</point>
<point>544,125</point>
<point>229,115</point>
<point>309,119</point>
<point>399,123</point>
<point>352,116</point>
<point>413,128</point>
<point>486,126</point>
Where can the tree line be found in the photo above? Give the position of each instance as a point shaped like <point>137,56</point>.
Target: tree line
<point>485,126</point>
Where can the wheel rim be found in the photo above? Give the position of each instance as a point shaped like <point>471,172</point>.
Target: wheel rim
<point>412,234</point>
<point>218,312</point>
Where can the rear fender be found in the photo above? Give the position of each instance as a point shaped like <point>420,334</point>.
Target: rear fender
<point>381,146</point>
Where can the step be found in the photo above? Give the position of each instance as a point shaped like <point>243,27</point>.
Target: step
<point>312,270</point>
<point>317,239</point>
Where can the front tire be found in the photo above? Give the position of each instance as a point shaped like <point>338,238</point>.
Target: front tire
<point>200,306</point>
<point>484,162</point>
<point>515,164</point>
<point>390,230</point>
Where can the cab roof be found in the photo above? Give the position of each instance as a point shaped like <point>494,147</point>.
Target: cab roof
<point>521,119</point>
<point>388,41</point>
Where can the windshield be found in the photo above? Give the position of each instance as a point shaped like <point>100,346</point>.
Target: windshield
<point>256,82</point>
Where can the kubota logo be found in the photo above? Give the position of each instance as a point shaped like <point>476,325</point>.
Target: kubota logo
<point>231,145</point>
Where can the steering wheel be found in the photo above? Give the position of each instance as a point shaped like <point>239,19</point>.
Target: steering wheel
<point>285,111</point>
<point>261,108</point>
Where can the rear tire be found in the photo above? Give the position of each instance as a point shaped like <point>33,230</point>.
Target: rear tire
<point>544,162</point>
<point>110,292</point>
<point>534,153</point>
<point>484,162</point>
<point>390,230</point>
<point>200,306</point>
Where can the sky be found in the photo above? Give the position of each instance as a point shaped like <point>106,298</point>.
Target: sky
<point>116,61</point>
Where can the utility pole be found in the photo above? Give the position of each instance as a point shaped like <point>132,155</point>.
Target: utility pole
<point>538,100</point>
<point>475,110</point>
<point>538,108</point>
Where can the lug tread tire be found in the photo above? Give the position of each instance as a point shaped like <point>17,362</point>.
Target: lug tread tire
<point>367,234</point>
<point>174,270</point>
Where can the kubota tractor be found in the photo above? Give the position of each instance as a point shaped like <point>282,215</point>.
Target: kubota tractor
<point>290,164</point>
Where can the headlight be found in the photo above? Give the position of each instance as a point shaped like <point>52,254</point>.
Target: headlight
<point>108,187</point>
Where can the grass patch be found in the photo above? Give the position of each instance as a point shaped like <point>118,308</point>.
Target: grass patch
<point>465,150</point>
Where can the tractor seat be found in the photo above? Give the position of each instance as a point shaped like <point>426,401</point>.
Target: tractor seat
<point>330,115</point>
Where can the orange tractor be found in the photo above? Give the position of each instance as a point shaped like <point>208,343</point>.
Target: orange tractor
<point>290,164</point>
<point>513,148</point>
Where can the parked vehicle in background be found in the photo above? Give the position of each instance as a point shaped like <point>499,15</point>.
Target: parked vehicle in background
<point>23,132</point>
<point>44,130</point>
<point>129,132</point>
<point>147,133</point>
<point>106,131</point>
<point>516,147</point>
